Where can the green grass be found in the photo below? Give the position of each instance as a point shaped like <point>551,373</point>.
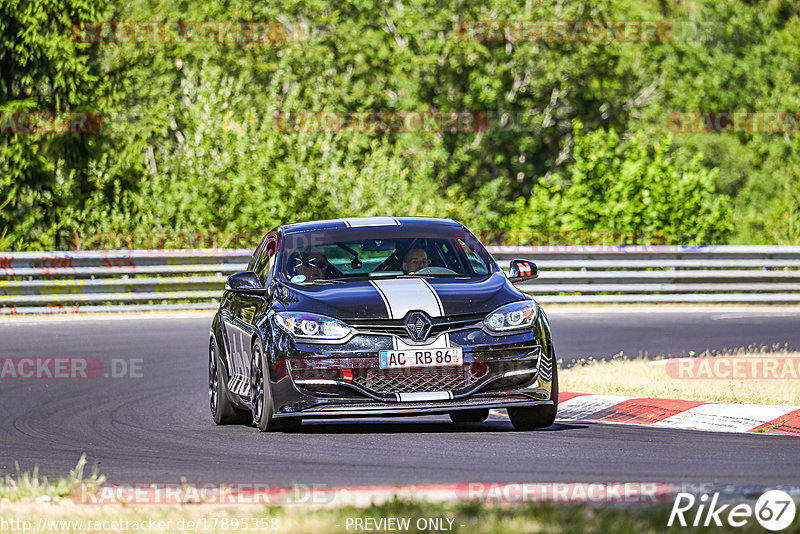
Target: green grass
<point>643,377</point>
<point>468,518</point>
<point>21,499</point>
<point>27,486</point>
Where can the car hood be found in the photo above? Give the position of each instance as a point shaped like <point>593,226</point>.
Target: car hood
<point>393,298</point>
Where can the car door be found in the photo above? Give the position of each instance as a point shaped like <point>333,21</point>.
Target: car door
<point>239,321</point>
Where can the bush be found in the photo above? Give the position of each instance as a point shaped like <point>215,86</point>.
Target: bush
<point>624,188</point>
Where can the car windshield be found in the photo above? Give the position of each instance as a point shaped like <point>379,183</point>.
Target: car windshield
<point>345,254</point>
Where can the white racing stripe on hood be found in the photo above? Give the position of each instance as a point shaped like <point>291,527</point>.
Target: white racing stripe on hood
<point>436,296</point>
<point>401,295</point>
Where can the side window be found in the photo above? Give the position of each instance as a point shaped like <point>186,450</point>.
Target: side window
<point>267,259</point>
<point>451,259</point>
<point>257,254</point>
<point>477,264</point>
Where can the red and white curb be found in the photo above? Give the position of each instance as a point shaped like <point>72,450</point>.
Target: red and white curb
<point>684,414</point>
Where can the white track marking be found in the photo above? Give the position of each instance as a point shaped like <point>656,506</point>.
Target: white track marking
<point>725,417</point>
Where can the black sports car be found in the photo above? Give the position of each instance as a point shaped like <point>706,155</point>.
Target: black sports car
<point>378,316</point>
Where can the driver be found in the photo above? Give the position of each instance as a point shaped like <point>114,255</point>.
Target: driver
<point>312,264</point>
<point>414,260</point>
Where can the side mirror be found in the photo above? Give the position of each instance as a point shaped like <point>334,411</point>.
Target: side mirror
<point>246,283</point>
<point>522,270</point>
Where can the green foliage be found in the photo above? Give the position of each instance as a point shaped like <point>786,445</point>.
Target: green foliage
<point>192,144</point>
<point>42,68</point>
<point>770,209</point>
<point>630,188</point>
<point>740,56</point>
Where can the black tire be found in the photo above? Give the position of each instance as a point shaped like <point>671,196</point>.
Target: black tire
<point>469,416</point>
<point>222,409</point>
<point>261,396</point>
<point>537,416</point>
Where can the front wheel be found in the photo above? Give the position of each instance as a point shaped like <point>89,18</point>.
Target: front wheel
<point>261,396</point>
<point>537,416</point>
<point>222,409</point>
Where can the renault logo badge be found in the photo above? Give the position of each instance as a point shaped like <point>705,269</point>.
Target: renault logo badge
<point>418,325</point>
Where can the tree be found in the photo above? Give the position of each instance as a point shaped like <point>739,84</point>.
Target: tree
<point>42,70</point>
<point>625,189</point>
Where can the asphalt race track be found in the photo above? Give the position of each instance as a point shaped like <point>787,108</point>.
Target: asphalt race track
<point>156,427</point>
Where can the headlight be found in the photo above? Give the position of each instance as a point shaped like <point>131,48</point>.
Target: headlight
<point>311,325</point>
<point>512,316</point>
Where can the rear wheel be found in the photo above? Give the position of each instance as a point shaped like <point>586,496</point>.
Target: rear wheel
<point>222,409</point>
<point>537,416</point>
<point>261,399</point>
<point>469,416</point>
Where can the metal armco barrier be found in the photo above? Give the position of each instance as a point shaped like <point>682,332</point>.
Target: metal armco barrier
<point>662,274</point>
<point>117,280</point>
<point>68,282</point>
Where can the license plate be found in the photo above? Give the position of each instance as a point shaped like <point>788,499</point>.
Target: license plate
<point>394,359</point>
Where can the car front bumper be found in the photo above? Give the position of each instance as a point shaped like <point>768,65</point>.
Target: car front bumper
<point>315,380</point>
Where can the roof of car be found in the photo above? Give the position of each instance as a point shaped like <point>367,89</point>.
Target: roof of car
<point>361,222</point>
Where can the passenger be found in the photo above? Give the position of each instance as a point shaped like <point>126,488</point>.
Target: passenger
<point>312,264</point>
<point>414,260</point>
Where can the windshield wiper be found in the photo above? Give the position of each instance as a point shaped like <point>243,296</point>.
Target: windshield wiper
<point>433,275</point>
<point>355,278</point>
<point>376,276</point>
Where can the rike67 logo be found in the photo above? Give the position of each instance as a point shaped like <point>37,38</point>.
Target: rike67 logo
<point>774,510</point>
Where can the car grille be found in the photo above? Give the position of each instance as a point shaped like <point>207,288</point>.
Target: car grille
<point>390,381</point>
<point>397,326</point>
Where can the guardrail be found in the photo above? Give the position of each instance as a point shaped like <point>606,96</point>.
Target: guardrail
<point>662,274</point>
<point>82,281</point>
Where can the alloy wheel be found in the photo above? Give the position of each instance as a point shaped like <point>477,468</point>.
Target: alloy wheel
<point>257,384</point>
<point>213,380</point>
